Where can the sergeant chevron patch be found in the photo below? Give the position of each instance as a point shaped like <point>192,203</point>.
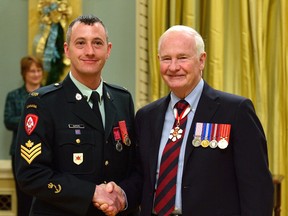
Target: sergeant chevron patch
<point>30,152</point>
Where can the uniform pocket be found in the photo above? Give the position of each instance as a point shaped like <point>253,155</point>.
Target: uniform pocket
<point>76,153</point>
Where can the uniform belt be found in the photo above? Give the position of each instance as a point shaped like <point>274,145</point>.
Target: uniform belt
<point>172,214</point>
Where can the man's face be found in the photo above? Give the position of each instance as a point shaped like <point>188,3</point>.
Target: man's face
<point>180,66</point>
<point>88,49</point>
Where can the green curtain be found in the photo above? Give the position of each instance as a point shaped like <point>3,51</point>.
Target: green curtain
<point>246,45</point>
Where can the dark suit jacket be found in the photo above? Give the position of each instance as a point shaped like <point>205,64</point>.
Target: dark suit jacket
<point>75,152</point>
<point>232,181</point>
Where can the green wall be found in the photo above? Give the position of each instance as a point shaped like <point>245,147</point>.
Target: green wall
<point>117,15</point>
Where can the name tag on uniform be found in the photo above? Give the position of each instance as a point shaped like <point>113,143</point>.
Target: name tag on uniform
<point>76,126</point>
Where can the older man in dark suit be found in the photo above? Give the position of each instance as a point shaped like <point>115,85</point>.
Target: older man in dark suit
<point>201,151</point>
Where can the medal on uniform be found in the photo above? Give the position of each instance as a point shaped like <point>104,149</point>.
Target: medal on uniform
<point>213,142</point>
<point>224,134</point>
<point>119,146</point>
<point>124,133</point>
<point>176,132</point>
<point>197,136</point>
<point>205,135</point>
<point>222,144</point>
<point>117,138</point>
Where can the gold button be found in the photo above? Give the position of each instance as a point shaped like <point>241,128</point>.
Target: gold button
<point>106,163</point>
<point>78,141</point>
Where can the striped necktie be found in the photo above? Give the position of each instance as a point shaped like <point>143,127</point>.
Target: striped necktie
<point>165,193</point>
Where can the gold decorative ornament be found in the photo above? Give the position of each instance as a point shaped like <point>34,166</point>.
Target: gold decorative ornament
<point>57,189</point>
<point>52,12</point>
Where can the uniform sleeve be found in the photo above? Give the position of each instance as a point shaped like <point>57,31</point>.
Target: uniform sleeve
<point>251,163</point>
<point>37,171</point>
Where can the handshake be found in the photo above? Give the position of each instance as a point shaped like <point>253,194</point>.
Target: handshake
<point>109,198</point>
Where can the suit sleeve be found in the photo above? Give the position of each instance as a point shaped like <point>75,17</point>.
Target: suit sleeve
<point>37,171</point>
<point>251,163</point>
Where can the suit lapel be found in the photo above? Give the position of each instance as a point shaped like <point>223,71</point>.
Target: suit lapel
<point>156,126</point>
<point>205,111</point>
<point>110,110</point>
<point>79,106</point>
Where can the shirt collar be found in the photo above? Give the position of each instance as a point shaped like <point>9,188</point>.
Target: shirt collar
<point>192,98</point>
<point>85,90</point>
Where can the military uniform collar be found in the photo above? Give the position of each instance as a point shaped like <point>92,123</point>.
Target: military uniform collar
<point>87,91</point>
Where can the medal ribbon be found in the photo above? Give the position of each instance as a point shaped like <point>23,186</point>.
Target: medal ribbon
<point>226,132</point>
<point>214,131</point>
<point>223,132</point>
<point>116,132</point>
<point>198,129</point>
<point>182,115</point>
<point>124,132</point>
<point>208,131</point>
<point>203,131</point>
<point>219,132</point>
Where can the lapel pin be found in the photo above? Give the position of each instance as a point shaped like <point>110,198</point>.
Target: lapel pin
<point>78,96</point>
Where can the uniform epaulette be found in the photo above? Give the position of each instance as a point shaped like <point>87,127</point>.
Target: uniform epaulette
<point>46,89</point>
<point>117,87</point>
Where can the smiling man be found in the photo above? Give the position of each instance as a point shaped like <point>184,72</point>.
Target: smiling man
<point>201,152</point>
<point>77,135</point>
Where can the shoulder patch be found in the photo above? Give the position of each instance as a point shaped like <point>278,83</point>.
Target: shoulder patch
<point>46,89</point>
<point>31,121</point>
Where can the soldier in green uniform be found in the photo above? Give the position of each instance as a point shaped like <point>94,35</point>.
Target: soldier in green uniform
<point>69,143</point>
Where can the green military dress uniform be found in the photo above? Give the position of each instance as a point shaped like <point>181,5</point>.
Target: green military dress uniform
<point>63,150</point>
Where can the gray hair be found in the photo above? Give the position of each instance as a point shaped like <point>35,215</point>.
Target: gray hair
<point>200,46</point>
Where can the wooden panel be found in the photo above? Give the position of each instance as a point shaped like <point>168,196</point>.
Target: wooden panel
<point>7,190</point>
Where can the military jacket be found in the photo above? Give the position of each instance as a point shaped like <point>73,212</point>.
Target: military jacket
<point>63,151</point>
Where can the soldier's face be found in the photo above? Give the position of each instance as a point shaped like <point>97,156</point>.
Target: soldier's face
<point>88,49</point>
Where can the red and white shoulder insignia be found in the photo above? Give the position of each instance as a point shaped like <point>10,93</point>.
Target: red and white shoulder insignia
<point>30,123</point>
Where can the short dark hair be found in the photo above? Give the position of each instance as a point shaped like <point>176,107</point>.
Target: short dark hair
<point>87,20</point>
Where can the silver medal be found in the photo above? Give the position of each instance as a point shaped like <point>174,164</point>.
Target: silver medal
<point>119,146</point>
<point>213,143</point>
<point>222,144</point>
<point>196,142</point>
